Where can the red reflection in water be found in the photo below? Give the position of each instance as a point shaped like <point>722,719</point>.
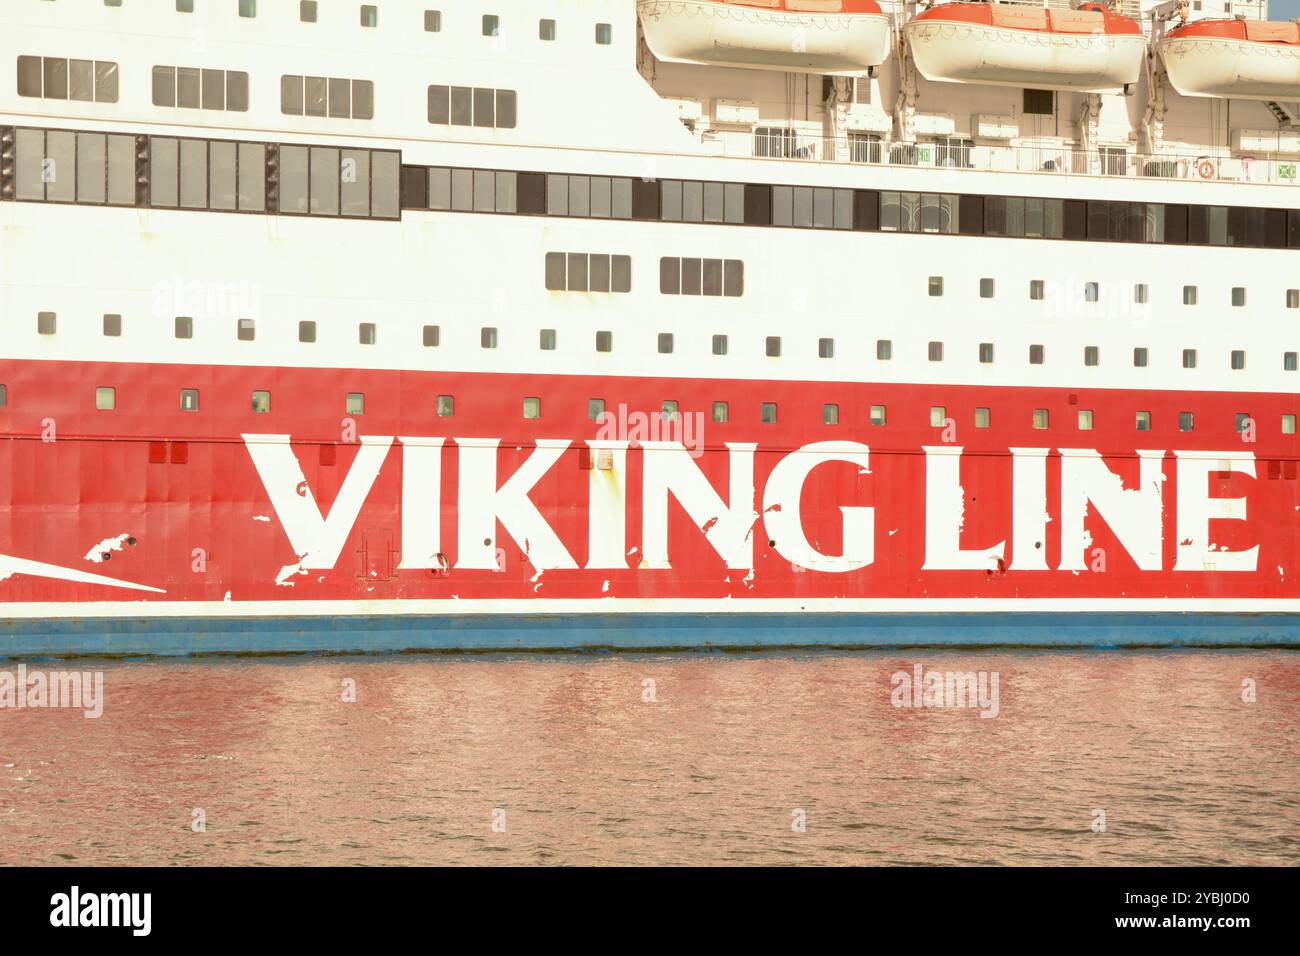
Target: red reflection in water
<point>712,770</point>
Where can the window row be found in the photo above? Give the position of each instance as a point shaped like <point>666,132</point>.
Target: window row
<point>220,175</point>
<point>57,78</point>
<point>595,272</point>
<point>195,88</point>
<point>330,96</point>
<point>868,210</point>
<point>701,276</point>
<point>1092,292</point>
<point>472,106</point>
<point>445,406</point>
<point>583,272</point>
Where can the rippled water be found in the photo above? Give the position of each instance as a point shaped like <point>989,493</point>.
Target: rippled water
<point>713,770</point>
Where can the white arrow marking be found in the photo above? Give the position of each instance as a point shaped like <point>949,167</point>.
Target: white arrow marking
<point>10,565</point>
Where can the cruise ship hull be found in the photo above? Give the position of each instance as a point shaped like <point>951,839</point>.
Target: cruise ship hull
<point>146,529</point>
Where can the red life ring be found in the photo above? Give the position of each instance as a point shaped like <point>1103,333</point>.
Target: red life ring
<point>1205,169</point>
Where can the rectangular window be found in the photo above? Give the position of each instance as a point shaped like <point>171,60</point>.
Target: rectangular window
<point>491,25</point>
<point>246,330</point>
<point>445,406</point>
<point>1289,361</point>
<point>1189,295</point>
<point>369,15</point>
<point>532,408</point>
<point>248,8</point>
<point>604,34</point>
<point>546,340</point>
<point>324,181</point>
<point>189,399</point>
<point>1238,296</point>
<point>1189,358</point>
<point>1238,360</point>
<point>830,414</point>
<point>164,154</point>
<point>935,285</point>
<point>1288,422</point>
<point>719,345</point>
<point>767,413</point>
<point>935,350</point>
<point>668,410</point>
<point>825,348</point>
<point>982,418</point>
<point>1091,292</point>
<point>1140,357</point>
<point>1143,421</point>
<point>487,337</point>
<point>1036,355</point>
<point>112,325</point>
<point>306,11</point>
<point>1085,420</point>
<point>1036,290</point>
<point>884,349</point>
<point>46,323</point>
<point>105,399</point>
<point>293,179</point>
<point>772,346</point>
<point>604,341</point>
<point>938,416</point>
<point>431,335</point>
<point>665,343</point>
<point>595,409</point>
<point>986,353</point>
<point>184,327</point>
<point>877,414</point>
<point>355,404</point>
<point>1241,422</point>
<point>1039,102</point>
<point>307,331</point>
<point>366,333</point>
<point>1186,421</point>
<point>986,288</point>
<point>1091,356</point>
<point>1293,298</point>
<point>1041,418</point>
<point>433,21</point>
<point>546,30</point>
<point>1140,293</point>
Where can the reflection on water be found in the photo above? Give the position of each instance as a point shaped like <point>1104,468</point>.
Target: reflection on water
<point>714,769</point>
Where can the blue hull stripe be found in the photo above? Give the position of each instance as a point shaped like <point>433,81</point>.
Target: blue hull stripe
<point>165,636</point>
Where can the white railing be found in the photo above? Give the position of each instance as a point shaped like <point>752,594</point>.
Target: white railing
<point>1265,168</point>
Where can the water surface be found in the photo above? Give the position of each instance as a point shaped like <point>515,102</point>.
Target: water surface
<point>569,755</point>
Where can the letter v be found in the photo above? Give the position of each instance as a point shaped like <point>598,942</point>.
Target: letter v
<point>315,540</point>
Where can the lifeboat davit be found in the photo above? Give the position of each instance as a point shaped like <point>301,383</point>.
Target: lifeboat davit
<point>1087,50</point>
<point>800,36</point>
<point>1244,59</point>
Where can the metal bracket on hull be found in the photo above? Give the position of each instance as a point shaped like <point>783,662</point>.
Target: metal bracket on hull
<point>905,113</point>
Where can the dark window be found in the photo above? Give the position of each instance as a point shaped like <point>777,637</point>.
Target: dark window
<point>1039,102</point>
<point>112,324</point>
<point>431,336</point>
<point>665,343</point>
<point>433,21</point>
<point>306,11</point>
<point>307,331</point>
<point>719,345</point>
<point>772,346</point>
<point>670,275</point>
<point>825,348</point>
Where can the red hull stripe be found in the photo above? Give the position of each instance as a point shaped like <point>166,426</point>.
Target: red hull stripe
<point>309,504</point>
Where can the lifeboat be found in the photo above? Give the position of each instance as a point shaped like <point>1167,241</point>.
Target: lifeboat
<point>799,36</point>
<point>1249,60</point>
<point>1086,50</point>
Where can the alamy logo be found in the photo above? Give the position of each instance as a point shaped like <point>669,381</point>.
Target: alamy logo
<point>76,690</point>
<point>923,688</point>
<point>103,909</point>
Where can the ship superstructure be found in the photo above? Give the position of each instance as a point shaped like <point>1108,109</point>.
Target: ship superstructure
<point>345,326</point>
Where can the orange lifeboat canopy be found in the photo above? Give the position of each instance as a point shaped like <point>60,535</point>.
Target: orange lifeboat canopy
<point>1086,50</point>
<point>1239,59</point>
<point>800,36</point>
